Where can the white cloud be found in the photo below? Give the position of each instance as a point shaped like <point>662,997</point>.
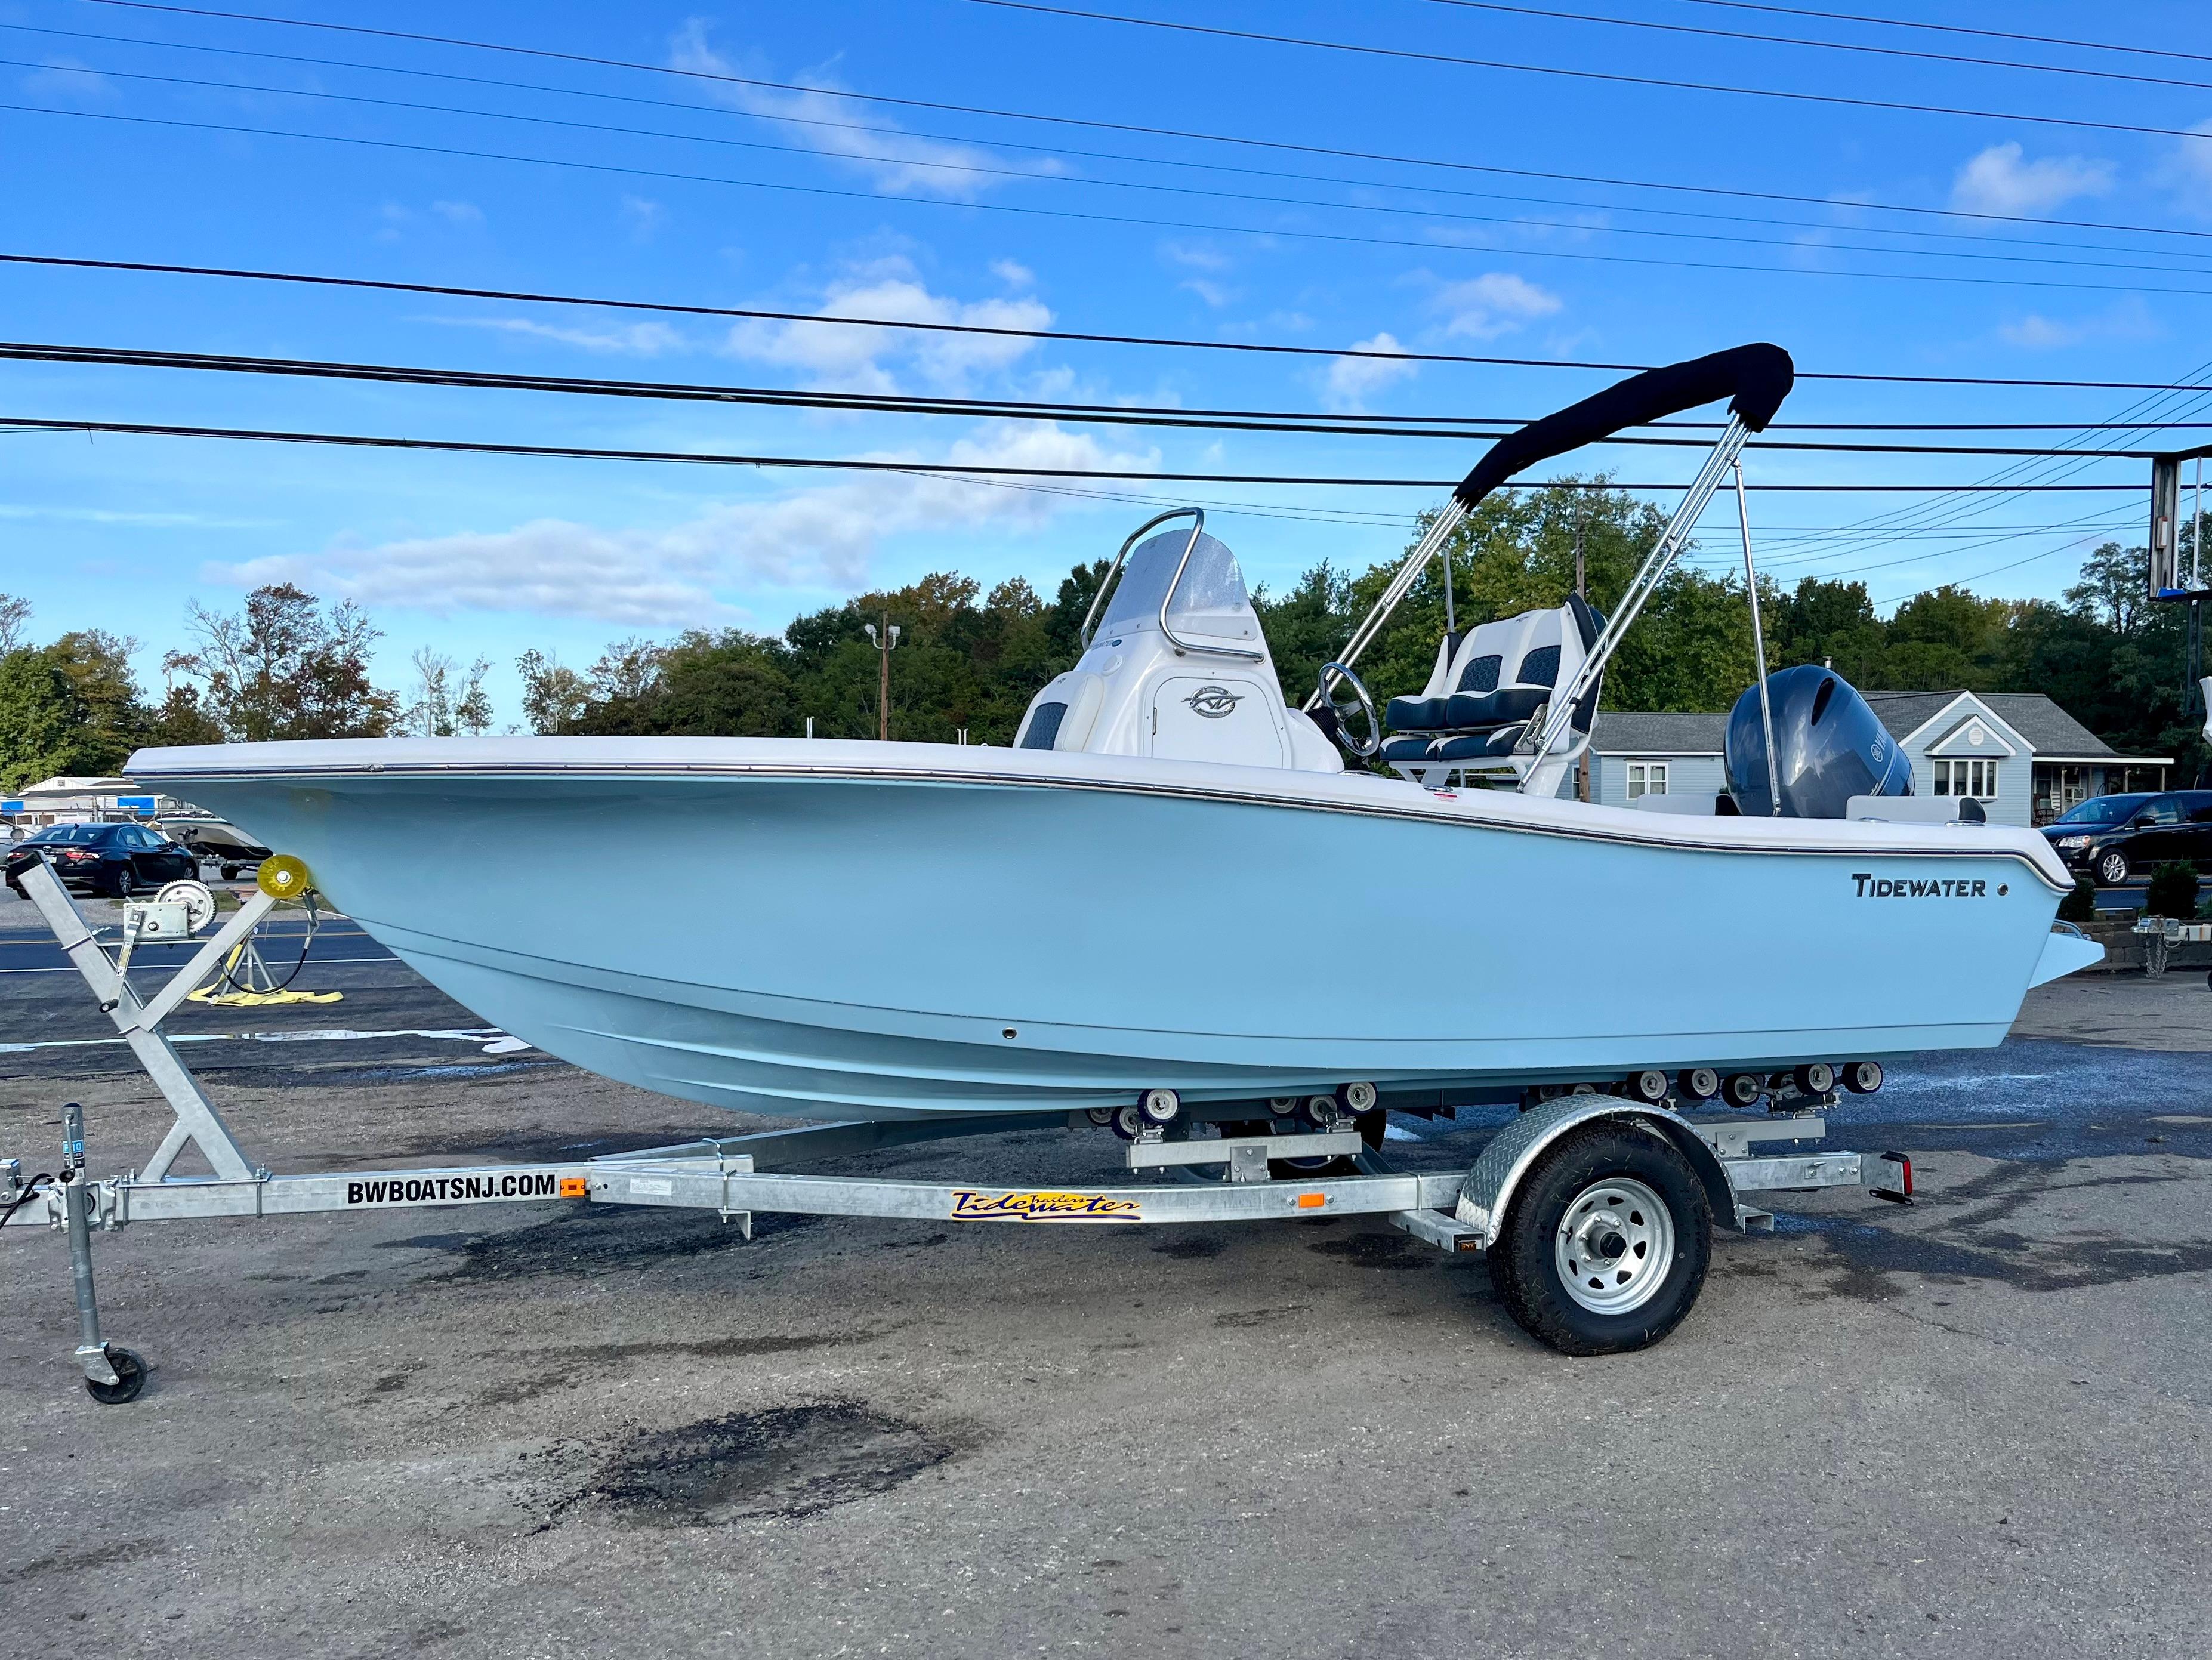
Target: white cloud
<point>67,77</point>
<point>643,216</point>
<point>1495,303</point>
<point>823,536</point>
<point>852,357</point>
<point>2129,319</point>
<point>1014,273</point>
<point>892,161</point>
<point>1216,295</point>
<point>1353,381</point>
<point>458,213</point>
<point>1998,180</point>
<point>2186,170</point>
<point>627,339</point>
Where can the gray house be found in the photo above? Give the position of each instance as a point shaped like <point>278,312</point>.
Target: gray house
<point>2021,755</point>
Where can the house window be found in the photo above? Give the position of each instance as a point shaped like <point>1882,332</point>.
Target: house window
<point>1646,778</point>
<point>1978,779</point>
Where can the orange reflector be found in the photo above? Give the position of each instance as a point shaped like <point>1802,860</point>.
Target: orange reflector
<point>1312,1200</point>
<point>572,1187</point>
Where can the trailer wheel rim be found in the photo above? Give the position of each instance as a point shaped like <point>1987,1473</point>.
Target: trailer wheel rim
<point>1615,1245</point>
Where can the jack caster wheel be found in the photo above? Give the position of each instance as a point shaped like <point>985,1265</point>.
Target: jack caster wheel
<point>1743,1089</point>
<point>1128,1123</point>
<point>1814,1078</point>
<point>1862,1077</point>
<point>1159,1106</point>
<point>130,1378</point>
<point>1606,1247</point>
<point>1698,1083</point>
<point>1648,1086</point>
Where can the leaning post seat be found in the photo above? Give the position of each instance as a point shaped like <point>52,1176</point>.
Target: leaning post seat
<point>1489,683</point>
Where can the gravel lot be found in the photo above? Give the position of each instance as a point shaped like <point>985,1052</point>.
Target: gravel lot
<point>1976,1426</point>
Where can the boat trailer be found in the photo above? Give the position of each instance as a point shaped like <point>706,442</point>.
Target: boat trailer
<point>1255,1177</point>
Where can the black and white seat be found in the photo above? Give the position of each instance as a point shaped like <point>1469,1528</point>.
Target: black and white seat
<point>1488,685</point>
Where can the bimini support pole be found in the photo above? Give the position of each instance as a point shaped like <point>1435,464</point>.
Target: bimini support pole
<point>1759,649</point>
<point>1649,574</point>
<point>1449,518</point>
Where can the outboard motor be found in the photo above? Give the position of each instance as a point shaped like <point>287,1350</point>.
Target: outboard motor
<point>1829,745</point>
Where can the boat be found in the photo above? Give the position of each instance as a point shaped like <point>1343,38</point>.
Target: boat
<point>1172,891</point>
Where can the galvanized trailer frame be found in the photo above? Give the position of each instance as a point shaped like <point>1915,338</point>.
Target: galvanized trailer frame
<point>1451,1211</point>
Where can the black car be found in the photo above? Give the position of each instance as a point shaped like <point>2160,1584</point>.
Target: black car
<point>118,858</point>
<point>2120,838</point>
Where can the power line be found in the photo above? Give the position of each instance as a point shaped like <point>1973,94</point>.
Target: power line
<point>1987,255</point>
<point>522,296</point>
<point>992,112</point>
<point>973,169</point>
<point>1411,55</point>
<point>1824,45</point>
<point>898,404</point>
<point>574,452</point>
<point>1278,232</point>
<point>1955,28</point>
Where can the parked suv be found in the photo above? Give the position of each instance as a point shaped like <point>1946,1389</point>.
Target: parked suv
<point>2117,838</point>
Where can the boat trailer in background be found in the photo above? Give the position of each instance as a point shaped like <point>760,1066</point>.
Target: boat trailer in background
<point>1626,1188</point>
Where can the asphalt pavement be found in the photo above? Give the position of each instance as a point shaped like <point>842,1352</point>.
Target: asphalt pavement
<point>1974,1426</point>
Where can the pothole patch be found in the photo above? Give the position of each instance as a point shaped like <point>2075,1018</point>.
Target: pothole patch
<point>784,1463</point>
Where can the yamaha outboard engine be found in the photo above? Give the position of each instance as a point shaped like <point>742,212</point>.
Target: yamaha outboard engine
<point>1829,745</point>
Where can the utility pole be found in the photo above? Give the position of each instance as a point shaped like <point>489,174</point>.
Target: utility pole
<point>884,642</point>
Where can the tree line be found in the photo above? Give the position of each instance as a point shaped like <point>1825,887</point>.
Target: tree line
<point>288,666</point>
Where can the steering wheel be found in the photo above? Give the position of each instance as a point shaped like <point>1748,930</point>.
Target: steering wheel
<point>1343,712</point>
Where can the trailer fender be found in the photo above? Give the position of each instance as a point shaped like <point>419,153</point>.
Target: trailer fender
<point>1486,1196</point>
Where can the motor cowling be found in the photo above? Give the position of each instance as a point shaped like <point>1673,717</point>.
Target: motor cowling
<point>1829,745</point>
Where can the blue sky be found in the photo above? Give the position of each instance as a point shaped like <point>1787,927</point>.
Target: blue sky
<point>949,216</point>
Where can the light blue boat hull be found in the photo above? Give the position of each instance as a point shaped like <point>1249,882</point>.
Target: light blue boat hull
<point>888,944</point>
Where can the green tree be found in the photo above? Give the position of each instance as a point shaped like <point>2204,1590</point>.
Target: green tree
<point>45,730</point>
<point>284,667</point>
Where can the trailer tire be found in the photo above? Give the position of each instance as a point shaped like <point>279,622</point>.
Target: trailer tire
<point>130,1378</point>
<point>1667,1250</point>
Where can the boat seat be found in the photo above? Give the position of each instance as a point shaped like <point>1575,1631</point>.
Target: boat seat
<point>1472,710</point>
<point>1468,665</point>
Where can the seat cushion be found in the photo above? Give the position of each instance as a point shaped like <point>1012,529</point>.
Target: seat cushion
<point>1418,714</point>
<point>1541,667</point>
<point>1405,749</point>
<point>1479,673</point>
<point>1493,708</point>
<point>1474,744</point>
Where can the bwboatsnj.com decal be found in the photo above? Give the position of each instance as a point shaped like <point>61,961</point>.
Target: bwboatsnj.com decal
<point>1040,1206</point>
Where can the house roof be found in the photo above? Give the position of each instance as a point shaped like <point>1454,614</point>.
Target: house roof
<point>2049,729</point>
<point>1630,731</point>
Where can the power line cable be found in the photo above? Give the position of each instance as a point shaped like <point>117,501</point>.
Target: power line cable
<point>972,169</point>
<point>577,452</point>
<point>1955,28</point>
<point>1409,54</point>
<point>899,404</point>
<point>524,296</point>
<point>1072,214</point>
<point>1824,45</point>
<point>1516,222</point>
<point>992,113</point>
